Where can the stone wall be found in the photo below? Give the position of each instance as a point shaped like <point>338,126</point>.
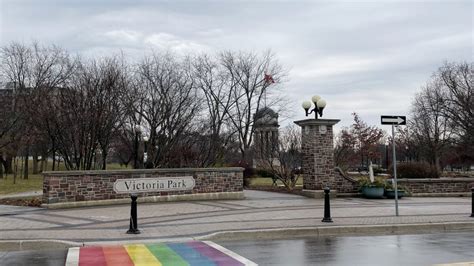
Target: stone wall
<point>416,187</point>
<point>438,185</point>
<point>344,183</point>
<point>79,186</point>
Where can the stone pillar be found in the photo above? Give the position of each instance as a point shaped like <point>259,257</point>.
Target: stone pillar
<point>317,145</point>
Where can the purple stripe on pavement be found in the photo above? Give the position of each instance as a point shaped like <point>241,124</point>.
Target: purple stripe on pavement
<point>215,255</point>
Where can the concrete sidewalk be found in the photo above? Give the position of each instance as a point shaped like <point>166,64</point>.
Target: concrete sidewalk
<point>261,214</point>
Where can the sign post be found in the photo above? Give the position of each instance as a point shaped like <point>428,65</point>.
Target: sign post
<point>394,120</point>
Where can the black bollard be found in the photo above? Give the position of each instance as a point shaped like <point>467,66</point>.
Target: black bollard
<point>327,208</point>
<point>472,202</point>
<point>133,229</point>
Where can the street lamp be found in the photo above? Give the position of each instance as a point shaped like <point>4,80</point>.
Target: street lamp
<point>145,150</point>
<point>319,105</point>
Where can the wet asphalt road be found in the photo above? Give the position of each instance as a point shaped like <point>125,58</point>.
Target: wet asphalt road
<point>30,258</point>
<point>360,250</point>
<point>404,250</point>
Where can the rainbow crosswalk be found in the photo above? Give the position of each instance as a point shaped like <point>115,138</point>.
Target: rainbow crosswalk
<point>202,253</point>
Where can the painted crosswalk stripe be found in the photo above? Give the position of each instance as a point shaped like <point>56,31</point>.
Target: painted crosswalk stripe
<point>141,255</point>
<point>117,255</point>
<point>91,256</point>
<point>230,253</point>
<point>72,258</point>
<point>217,256</point>
<point>194,253</point>
<point>166,255</point>
<point>192,256</point>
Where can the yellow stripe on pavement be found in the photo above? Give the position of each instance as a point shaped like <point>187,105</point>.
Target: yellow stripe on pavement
<point>141,256</point>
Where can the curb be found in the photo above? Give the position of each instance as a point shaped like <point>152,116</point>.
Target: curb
<point>279,233</point>
<point>19,245</point>
<point>443,195</point>
<point>139,241</point>
<point>354,230</point>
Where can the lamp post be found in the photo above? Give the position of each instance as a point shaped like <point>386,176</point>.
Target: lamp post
<point>145,148</point>
<point>319,105</point>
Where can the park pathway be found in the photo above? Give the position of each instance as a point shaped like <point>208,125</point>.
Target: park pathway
<point>261,212</point>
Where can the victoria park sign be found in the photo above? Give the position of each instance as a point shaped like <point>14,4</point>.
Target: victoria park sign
<point>161,184</point>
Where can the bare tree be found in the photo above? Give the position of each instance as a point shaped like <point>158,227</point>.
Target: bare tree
<point>168,104</point>
<point>88,111</point>
<point>33,70</point>
<point>212,80</point>
<point>431,128</point>
<point>248,78</point>
<point>457,80</point>
<point>408,145</point>
<point>284,162</point>
<point>116,82</point>
<point>122,146</point>
<point>73,109</point>
<point>15,64</point>
<point>10,118</point>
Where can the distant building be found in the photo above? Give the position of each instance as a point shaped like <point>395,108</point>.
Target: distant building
<point>265,135</point>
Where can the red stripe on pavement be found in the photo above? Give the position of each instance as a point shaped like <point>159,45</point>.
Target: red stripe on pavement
<point>91,256</point>
<point>117,255</point>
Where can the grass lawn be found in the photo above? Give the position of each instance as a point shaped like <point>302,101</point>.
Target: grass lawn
<point>34,182</point>
<point>264,182</point>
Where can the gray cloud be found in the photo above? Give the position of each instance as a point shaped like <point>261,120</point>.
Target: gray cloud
<point>368,57</point>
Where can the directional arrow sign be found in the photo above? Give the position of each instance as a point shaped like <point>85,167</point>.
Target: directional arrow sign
<point>393,120</point>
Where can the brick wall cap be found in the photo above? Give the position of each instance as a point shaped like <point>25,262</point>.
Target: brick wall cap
<point>143,171</point>
<point>309,122</point>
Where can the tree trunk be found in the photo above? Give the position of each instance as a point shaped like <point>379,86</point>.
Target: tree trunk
<point>25,167</point>
<point>15,170</point>
<point>8,165</point>
<point>35,163</point>
<point>44,163</point>
<point>104,159</point>
<point>54,159</point>
<point>3,166</point>
<point>20,165</point>
<point>438,164</point>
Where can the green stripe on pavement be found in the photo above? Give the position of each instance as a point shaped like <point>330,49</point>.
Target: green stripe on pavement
<point>166,255</point>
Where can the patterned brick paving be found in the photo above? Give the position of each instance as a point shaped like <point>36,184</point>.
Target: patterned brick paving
<point>185,220</point>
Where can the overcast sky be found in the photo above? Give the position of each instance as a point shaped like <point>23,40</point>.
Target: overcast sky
<point>369,57</point>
